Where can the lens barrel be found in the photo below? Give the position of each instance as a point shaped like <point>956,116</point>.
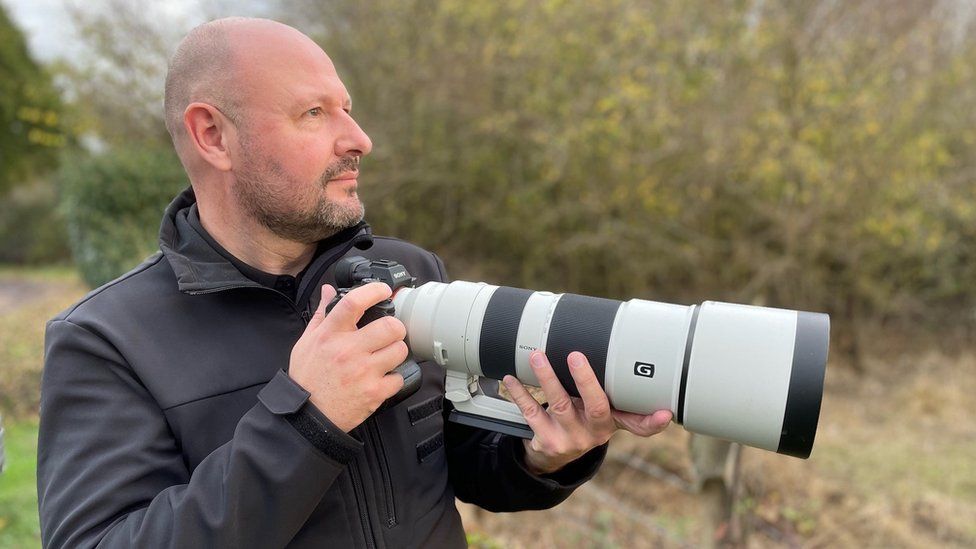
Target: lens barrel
<point>749,374</point>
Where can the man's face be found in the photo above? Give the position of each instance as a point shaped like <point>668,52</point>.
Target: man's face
<point>298,147</point>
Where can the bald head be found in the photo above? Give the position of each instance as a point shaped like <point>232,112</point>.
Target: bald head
<point>213,65</point>
<point>200,70</point>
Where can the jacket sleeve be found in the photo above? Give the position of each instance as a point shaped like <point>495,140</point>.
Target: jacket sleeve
<point>111,474</point>
<point>488,469</point>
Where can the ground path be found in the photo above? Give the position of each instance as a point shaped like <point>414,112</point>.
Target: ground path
<point>17,292</point>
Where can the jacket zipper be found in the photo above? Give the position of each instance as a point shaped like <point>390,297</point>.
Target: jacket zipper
<point>357,486</point>
<point>235,287</point>
<point>384,466</point>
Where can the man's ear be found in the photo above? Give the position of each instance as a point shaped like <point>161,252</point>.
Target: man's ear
<point>209,131</point>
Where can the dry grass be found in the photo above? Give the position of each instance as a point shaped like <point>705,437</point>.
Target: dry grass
<point>894,466</point>
<point>28,298</point>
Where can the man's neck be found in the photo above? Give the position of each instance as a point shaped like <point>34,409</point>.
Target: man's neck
<point>254,244</point>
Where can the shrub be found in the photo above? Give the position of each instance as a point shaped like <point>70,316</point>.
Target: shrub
<point>113,203</point>
<point>31,227</point>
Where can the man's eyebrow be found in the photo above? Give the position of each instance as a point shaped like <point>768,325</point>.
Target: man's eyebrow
<point>325,99</point>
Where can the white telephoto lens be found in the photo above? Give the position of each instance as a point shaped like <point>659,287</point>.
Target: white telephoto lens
<point>752,375</point>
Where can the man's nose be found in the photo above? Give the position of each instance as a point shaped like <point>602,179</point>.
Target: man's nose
<point>353,140</point>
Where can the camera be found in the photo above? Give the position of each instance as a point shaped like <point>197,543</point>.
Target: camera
<point>352,272</point>
<point>748,374</point>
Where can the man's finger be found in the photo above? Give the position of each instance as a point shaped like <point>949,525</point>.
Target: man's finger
<point>560,405</point>
<point>389,357</point>
<point>533,413</point>
<point>643,425</point>
<point>380,333</point>
<point>392,383</point>
<point>596,405</point>
<point>328,292</point>
<point>351,307</point>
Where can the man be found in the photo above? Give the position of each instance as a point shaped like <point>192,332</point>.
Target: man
<point>206,399</point>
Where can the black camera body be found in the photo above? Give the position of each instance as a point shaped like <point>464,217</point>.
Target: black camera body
<point>355,271</point>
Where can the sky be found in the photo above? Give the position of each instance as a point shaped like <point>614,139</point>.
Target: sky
<point>48,29</point>
<point>50,32</point>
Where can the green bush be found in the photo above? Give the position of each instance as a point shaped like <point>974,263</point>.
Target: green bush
<point>112,204</point>
<point>32,229</point>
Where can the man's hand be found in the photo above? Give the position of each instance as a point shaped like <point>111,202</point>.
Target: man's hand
<point>345,368</point>
<point>571,427</point>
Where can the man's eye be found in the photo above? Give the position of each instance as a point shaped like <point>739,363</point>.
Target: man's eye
<point>316,111</point>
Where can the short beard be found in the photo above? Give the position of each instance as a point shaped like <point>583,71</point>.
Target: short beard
<point>325,219</point>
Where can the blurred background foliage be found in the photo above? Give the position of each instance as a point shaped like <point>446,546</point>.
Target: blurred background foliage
<point>31,129</point>
<point>112,205</point>
<point>800,154</point>
<point>809,154</point>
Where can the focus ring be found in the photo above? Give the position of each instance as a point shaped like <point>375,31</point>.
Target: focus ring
<point>583,324</point>
<point>499,331</point>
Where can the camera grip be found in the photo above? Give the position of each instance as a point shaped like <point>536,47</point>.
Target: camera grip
<point>408,369</point>
<point>412,378</point>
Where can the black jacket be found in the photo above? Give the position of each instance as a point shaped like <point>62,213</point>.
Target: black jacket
<point>167,421</point>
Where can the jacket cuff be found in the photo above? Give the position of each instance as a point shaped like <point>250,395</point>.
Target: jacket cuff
<point>284,397</point>
<point>570,477</point>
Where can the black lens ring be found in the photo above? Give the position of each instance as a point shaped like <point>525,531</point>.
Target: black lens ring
<point>584,324</point>
<point>499,331</point>
<point>806,384</point>
<point>679,416</point>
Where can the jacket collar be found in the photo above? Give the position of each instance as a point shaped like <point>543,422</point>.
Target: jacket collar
<point>201,269</point>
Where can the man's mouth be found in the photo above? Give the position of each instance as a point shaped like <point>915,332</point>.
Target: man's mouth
<point>346,169</point>
<point>346,176</point>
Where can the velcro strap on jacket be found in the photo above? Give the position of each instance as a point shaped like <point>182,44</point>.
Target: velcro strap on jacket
<point>423,410</point>
<point>429,446</point>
